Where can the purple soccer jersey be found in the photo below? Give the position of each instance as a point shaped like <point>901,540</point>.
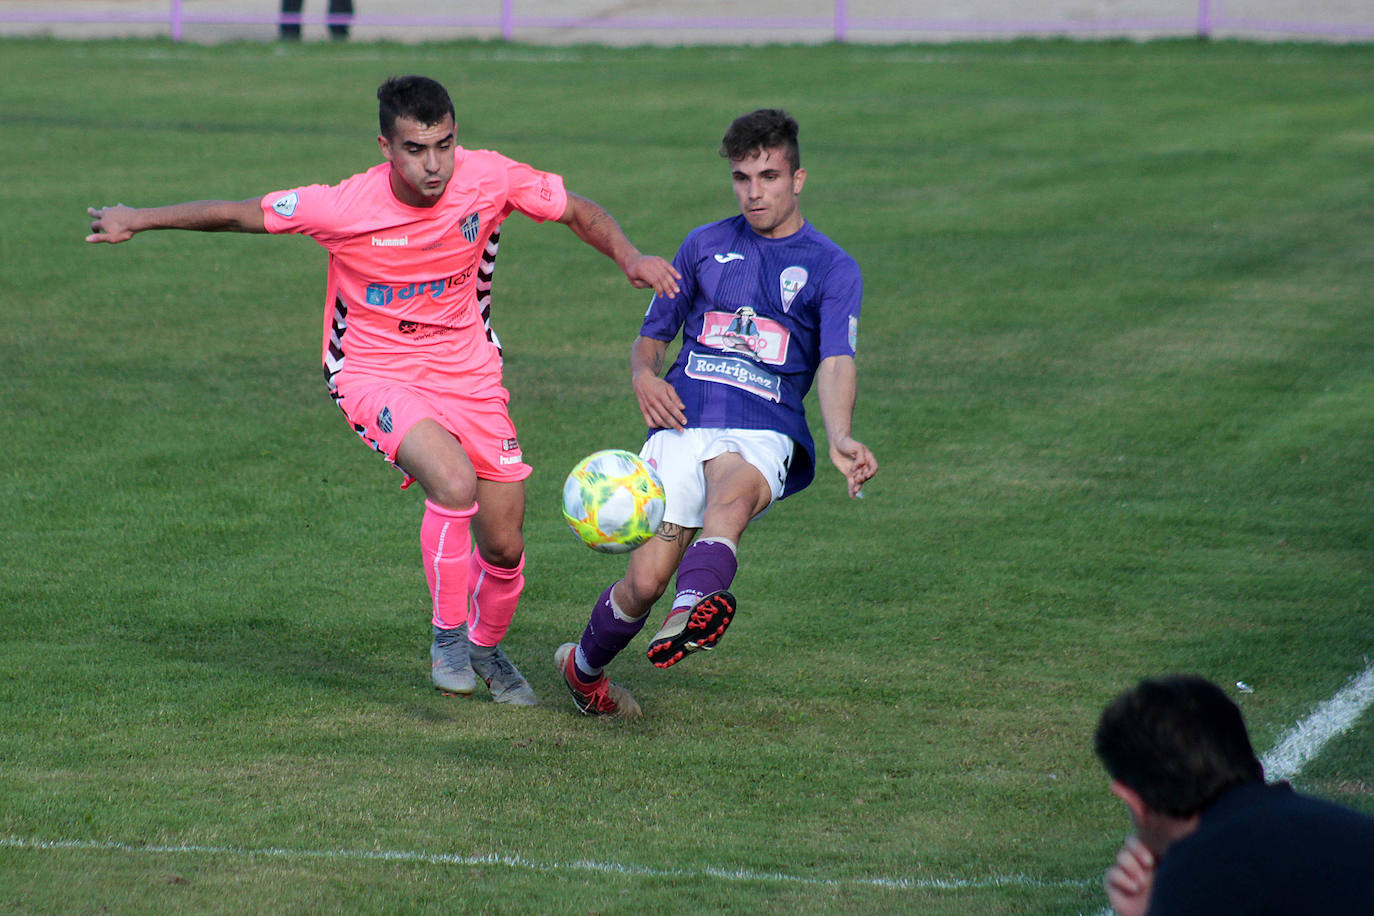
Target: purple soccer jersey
<point>757,316</point>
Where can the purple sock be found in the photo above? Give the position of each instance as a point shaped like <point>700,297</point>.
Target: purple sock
<point>706,567</point>
<point>605,636</point>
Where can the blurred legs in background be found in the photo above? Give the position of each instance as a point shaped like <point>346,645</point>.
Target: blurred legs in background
<point>291,31</point>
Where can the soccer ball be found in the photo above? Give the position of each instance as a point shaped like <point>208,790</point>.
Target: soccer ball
<point>613,501</point>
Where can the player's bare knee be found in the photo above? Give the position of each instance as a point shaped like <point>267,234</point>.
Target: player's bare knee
<point>451,492</point>
<point>504,554</point>
<point>643,587</point>
<point>731,515</point>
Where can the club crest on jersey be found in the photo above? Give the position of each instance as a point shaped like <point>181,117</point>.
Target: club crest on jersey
<point>471,227</point>
<point>285,206</point>
<point>377,295</point>
<point>790,282</point>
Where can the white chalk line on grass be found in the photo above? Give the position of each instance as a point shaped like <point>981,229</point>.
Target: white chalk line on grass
<point>611,868</point>
<point>1303,742</point>
<point>1296,747</point>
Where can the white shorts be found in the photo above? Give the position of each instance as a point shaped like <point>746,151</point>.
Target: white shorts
<point>680,457</point>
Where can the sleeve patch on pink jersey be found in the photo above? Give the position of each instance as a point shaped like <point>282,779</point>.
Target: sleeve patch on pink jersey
<point>285,206</point>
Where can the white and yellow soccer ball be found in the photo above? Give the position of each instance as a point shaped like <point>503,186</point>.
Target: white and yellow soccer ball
<point>613,501</point>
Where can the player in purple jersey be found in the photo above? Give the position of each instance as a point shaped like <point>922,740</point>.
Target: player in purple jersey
<point>771,305</point>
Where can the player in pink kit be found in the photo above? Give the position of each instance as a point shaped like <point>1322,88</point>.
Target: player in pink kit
<point>409,353</point>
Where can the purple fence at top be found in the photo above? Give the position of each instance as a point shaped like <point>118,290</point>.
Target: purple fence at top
<point>504,19</point>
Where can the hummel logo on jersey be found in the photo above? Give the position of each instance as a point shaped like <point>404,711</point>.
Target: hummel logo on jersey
<point>727,258</point>
<point>400,242</point>
<point>286,204</point>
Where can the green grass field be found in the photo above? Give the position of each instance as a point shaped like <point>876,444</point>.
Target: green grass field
<point>1116,361</point>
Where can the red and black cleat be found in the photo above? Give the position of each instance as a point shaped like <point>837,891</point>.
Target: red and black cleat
<point>691,631</point>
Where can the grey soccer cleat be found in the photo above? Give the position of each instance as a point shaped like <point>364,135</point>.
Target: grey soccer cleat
<point>507,684</point>
<point>449,666</point>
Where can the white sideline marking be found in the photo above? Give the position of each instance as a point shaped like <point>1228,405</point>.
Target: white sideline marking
<point>1297,747</point>
<point>435,858</point>
<point>1303,742</point>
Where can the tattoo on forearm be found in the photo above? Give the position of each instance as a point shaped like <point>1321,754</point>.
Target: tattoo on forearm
<point>596,226</point>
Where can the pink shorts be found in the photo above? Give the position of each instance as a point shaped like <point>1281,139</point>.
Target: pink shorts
<point>382,411</point>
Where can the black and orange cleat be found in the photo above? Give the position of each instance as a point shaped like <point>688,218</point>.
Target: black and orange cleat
<point>693,630</point>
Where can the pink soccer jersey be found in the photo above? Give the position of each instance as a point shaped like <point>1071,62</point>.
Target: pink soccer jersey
<point>408,286</point>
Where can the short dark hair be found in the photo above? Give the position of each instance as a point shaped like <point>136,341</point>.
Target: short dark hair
<point>418,98</point>
<point>1177,741</point>
<point>767,128</point>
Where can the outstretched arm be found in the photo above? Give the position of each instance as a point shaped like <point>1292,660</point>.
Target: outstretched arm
<point>837,385</point>
<point>597,228</point>
<point>120,223</point>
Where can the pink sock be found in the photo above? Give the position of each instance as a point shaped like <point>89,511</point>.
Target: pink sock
<point>495,593</point>
<point>445,543</point>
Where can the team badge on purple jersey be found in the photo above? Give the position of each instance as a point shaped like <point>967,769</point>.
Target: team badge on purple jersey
<point>790,283</point>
